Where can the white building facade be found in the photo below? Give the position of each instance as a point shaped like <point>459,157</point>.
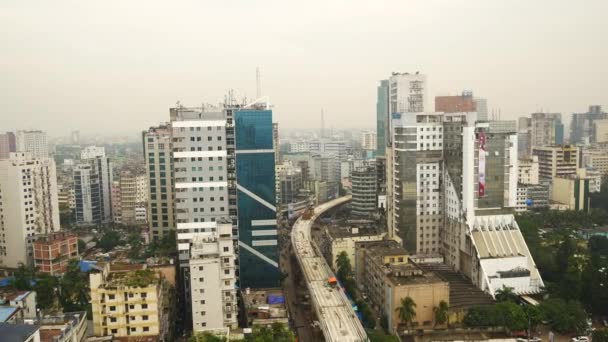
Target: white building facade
<point>28,205</point>
<point>34,142</point>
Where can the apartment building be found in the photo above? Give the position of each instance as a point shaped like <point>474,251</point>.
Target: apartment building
<point>213,280</point>
<point>8,144</point>
<point>557,161</point>
<point>528,170</point>
<point>547,129</point>
<point>364,184</point>
<point>157,151</point>
<point>129,301</point>
<point>368,141</point>
<point>28,205</point>
<point>595,158</point>
<point>133,195</point>
<point>387,276</point>
<point>53,252</point>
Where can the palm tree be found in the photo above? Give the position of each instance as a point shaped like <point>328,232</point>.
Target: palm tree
<point>441,313</point>
<point>407,311</point>
<point>506,294</point>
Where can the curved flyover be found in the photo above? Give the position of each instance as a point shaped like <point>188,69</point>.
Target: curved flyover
<point>335,313</point>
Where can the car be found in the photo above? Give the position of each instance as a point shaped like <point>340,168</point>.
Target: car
<point>580,339</point>
<point>531,339</point>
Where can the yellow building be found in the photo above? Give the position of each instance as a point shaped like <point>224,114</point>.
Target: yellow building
<point>129,300</point>
<point>389,276</point>
<point>572,192</point>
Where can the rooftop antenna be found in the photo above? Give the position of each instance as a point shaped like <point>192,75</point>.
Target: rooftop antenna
<point>258,81</point>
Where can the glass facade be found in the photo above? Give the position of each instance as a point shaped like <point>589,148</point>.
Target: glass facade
<point>382,118</point>
<point>255,176</point>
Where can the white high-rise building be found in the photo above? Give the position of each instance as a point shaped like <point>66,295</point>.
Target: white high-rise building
<point>213,280</point>
<point>93,187</point>
<point>368,140</point>
<point>201,167</point>
<point>28,205</point>
<point>34,142</point>
<point>528,171</point>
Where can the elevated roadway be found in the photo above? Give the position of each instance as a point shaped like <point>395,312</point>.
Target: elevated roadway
<point>334,311</point>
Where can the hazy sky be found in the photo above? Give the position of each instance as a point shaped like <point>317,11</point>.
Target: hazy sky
<point>119,65</point>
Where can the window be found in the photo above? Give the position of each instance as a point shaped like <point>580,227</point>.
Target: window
<point>146,329</point>
<point>203,301</point>
<point>227,282</point>
<point>226,249</point>
<point>200,268</point>
<point>114,331</point>
<point>144,306</point>
<point>113,319</point>
<point>112,308</point>
<point>226,271</point>
<point>144,317</point>
<point>111,297</point>
<point>131,307</point>
<point>203,313</point>
<point>133,329</point>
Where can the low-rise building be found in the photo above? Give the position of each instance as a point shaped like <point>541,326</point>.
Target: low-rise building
<point>387,277</point>
<point>528,170</point>
<point>532,196</point>
<point>596,158</point>
<point>572,192</point>
<point>53,252</point>
<point>17,305</point>
<point>67,327</point>
<point>128,301</point>
<point>336,240</point>
<point>265,306</point>
<point>19,332</point>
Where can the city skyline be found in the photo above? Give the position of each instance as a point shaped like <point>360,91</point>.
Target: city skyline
<point>100,85</point>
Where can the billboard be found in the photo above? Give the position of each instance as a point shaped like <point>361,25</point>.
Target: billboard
<point>482,165</point>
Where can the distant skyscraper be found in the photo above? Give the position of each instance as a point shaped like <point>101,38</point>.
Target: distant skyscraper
<point>582,125</point>
<point>157,152</point>
<point>93,187</point>
<point>33,142</point>
<point>29,205</point>
<point>364,182</point>
<point>546,129</point>
<point>75,137</point>
<point>524,137</point>
<point>7,144</point>
<point>368,141</point>
<point>382,117</point>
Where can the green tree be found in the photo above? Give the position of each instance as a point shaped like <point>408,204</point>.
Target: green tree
<point>74,289</point>
<point>506,294</point>
<point>378,336</point>
<point>277,332</point>
<point>407,311</point>
<point>511,316</point>
<point>82,246</point>
<point>206,337</point>
<point>565,317</point>
<point>46,291</point>
<point>600,335</point>
<point>564,253</point>
<point>109,241</point>
<point>345,269</point>
<point>24,275</point>
<point>442,313</point>
<point>135,242</point>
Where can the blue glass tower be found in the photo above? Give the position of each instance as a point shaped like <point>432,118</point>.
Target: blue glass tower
<point>255,177</point>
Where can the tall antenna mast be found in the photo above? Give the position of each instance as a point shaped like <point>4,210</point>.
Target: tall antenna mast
<point>322,124</point>
<point>258,80</point>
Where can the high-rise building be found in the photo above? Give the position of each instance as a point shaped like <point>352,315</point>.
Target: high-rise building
<point>133,196</point>
<point>289,182</point>
<point>213,280</point>
<point>364,184</point>
<point>255,182</point>
<point>382,117</point>
<point>546,129</point>
<point>557,161</point>
<point>582,125</point>
<point>224,170</point>
<point>75,137</point>
<point>600,131</point>
<point>157,153</point>
<point>596,158</point>
<point>481,107</point>
<point>33,142</point>
<point>368,141</point>
<point>415,207</point>
<point>7,144</point>
<point>29,205</point>
<point>93,187</point>
<point>115,200</point>
<point>480,236</point>
<point>275,142</point>
<point>524,137</point>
